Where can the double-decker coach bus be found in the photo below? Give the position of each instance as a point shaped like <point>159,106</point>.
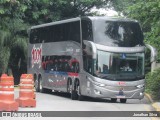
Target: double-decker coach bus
<point>99,57</point>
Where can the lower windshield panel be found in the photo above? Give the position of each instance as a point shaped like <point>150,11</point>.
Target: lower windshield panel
<point>119,66</point>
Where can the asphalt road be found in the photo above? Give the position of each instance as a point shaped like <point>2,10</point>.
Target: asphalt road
<point>62,102</point>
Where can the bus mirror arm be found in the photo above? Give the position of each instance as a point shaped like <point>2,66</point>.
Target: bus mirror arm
<point>94,50</point>
<point>153,52</point>
<point>153,58</point>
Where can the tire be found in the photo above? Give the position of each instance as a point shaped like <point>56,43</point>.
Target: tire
<point>80,97</point>
<point>113,100</point>
<point>47,90</point>
<point>123,100</point>
<point>36,85</point>
<point>69,86</point>
<point>74,95</point>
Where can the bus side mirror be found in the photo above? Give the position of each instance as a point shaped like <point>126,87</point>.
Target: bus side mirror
<point>91,48</point>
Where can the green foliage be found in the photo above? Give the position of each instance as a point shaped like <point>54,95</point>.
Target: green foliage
<point>16,16</point>
<point>153,84</point>
<point>43,11</point>
<point>149,17</point>
<point>147,13</point>
<point>12,28</point>
<point>4,56</point>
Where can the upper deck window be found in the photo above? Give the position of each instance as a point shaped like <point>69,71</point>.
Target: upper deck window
<point>87,33</point>
<point>118,33</point>
<point>56,33</point>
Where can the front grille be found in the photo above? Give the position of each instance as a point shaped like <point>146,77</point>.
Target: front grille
<point>125,88</point>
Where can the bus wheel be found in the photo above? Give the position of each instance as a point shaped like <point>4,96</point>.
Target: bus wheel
<point>41,89</point>
<point>36,84</point>
<point>74,95</point>
<point>123,100</point>
<point>69,86</point>
<point>113,100</point>
<point>80,97</point>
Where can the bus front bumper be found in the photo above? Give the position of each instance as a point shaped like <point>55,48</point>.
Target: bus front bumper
<point>104,92</point>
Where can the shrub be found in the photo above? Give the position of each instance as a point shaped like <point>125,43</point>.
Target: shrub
<point>153,84</point>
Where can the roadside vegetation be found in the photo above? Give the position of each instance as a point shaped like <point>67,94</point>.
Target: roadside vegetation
<point>17,16</point>
<point>153,84</point>
<point>147,13</point>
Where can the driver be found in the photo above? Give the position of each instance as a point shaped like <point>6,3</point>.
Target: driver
<point>127,67</point>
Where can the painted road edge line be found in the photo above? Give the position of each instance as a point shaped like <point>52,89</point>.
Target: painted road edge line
<point>154,104</point>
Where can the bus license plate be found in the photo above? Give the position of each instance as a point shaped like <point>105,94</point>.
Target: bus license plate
<point>120,93</point>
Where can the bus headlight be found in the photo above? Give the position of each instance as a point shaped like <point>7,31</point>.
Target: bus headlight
<point>141,94</point>
<point>101,85</point>
<point>97,92</point>
<point>140,86</point>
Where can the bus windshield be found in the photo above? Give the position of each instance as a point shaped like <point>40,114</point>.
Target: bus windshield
<point>117,33</point>
<point>119,66</point>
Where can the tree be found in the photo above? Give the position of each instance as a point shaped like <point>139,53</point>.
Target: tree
<point>16,16</point>
<point>147,13</point>
<point>45,11</point>
<point>12,36</point>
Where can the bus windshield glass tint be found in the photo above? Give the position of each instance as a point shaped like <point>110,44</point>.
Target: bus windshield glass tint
<point>119,66</point>
<point>117,33</point>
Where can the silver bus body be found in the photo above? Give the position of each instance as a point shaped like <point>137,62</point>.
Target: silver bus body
<point>92,81</point>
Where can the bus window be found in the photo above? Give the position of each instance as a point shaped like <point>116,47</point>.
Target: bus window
<point>87,63</point>
<point>43,62</point>
<point>48,63</point>
<point>117,33</point>
<point>73,31</point>
<point>56,65</point>
<point>75,67</point>
<point>87,30</point>
<point>56,33</point>
<point>64,65</point>
<point>60,65</point>
<point>76,31</point>
<point>67,67</point>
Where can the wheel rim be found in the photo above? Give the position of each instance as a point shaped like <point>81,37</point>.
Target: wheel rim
<point>78,89</point>
<point>40,85</point>
<point>36,84</point>
<point>70,87</point>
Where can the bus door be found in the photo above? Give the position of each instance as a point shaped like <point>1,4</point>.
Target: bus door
<point>89,57</point>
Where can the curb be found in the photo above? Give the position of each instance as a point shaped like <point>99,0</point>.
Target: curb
<point>156,107</point>
<point>149,97</point>
<point>154,104</point>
